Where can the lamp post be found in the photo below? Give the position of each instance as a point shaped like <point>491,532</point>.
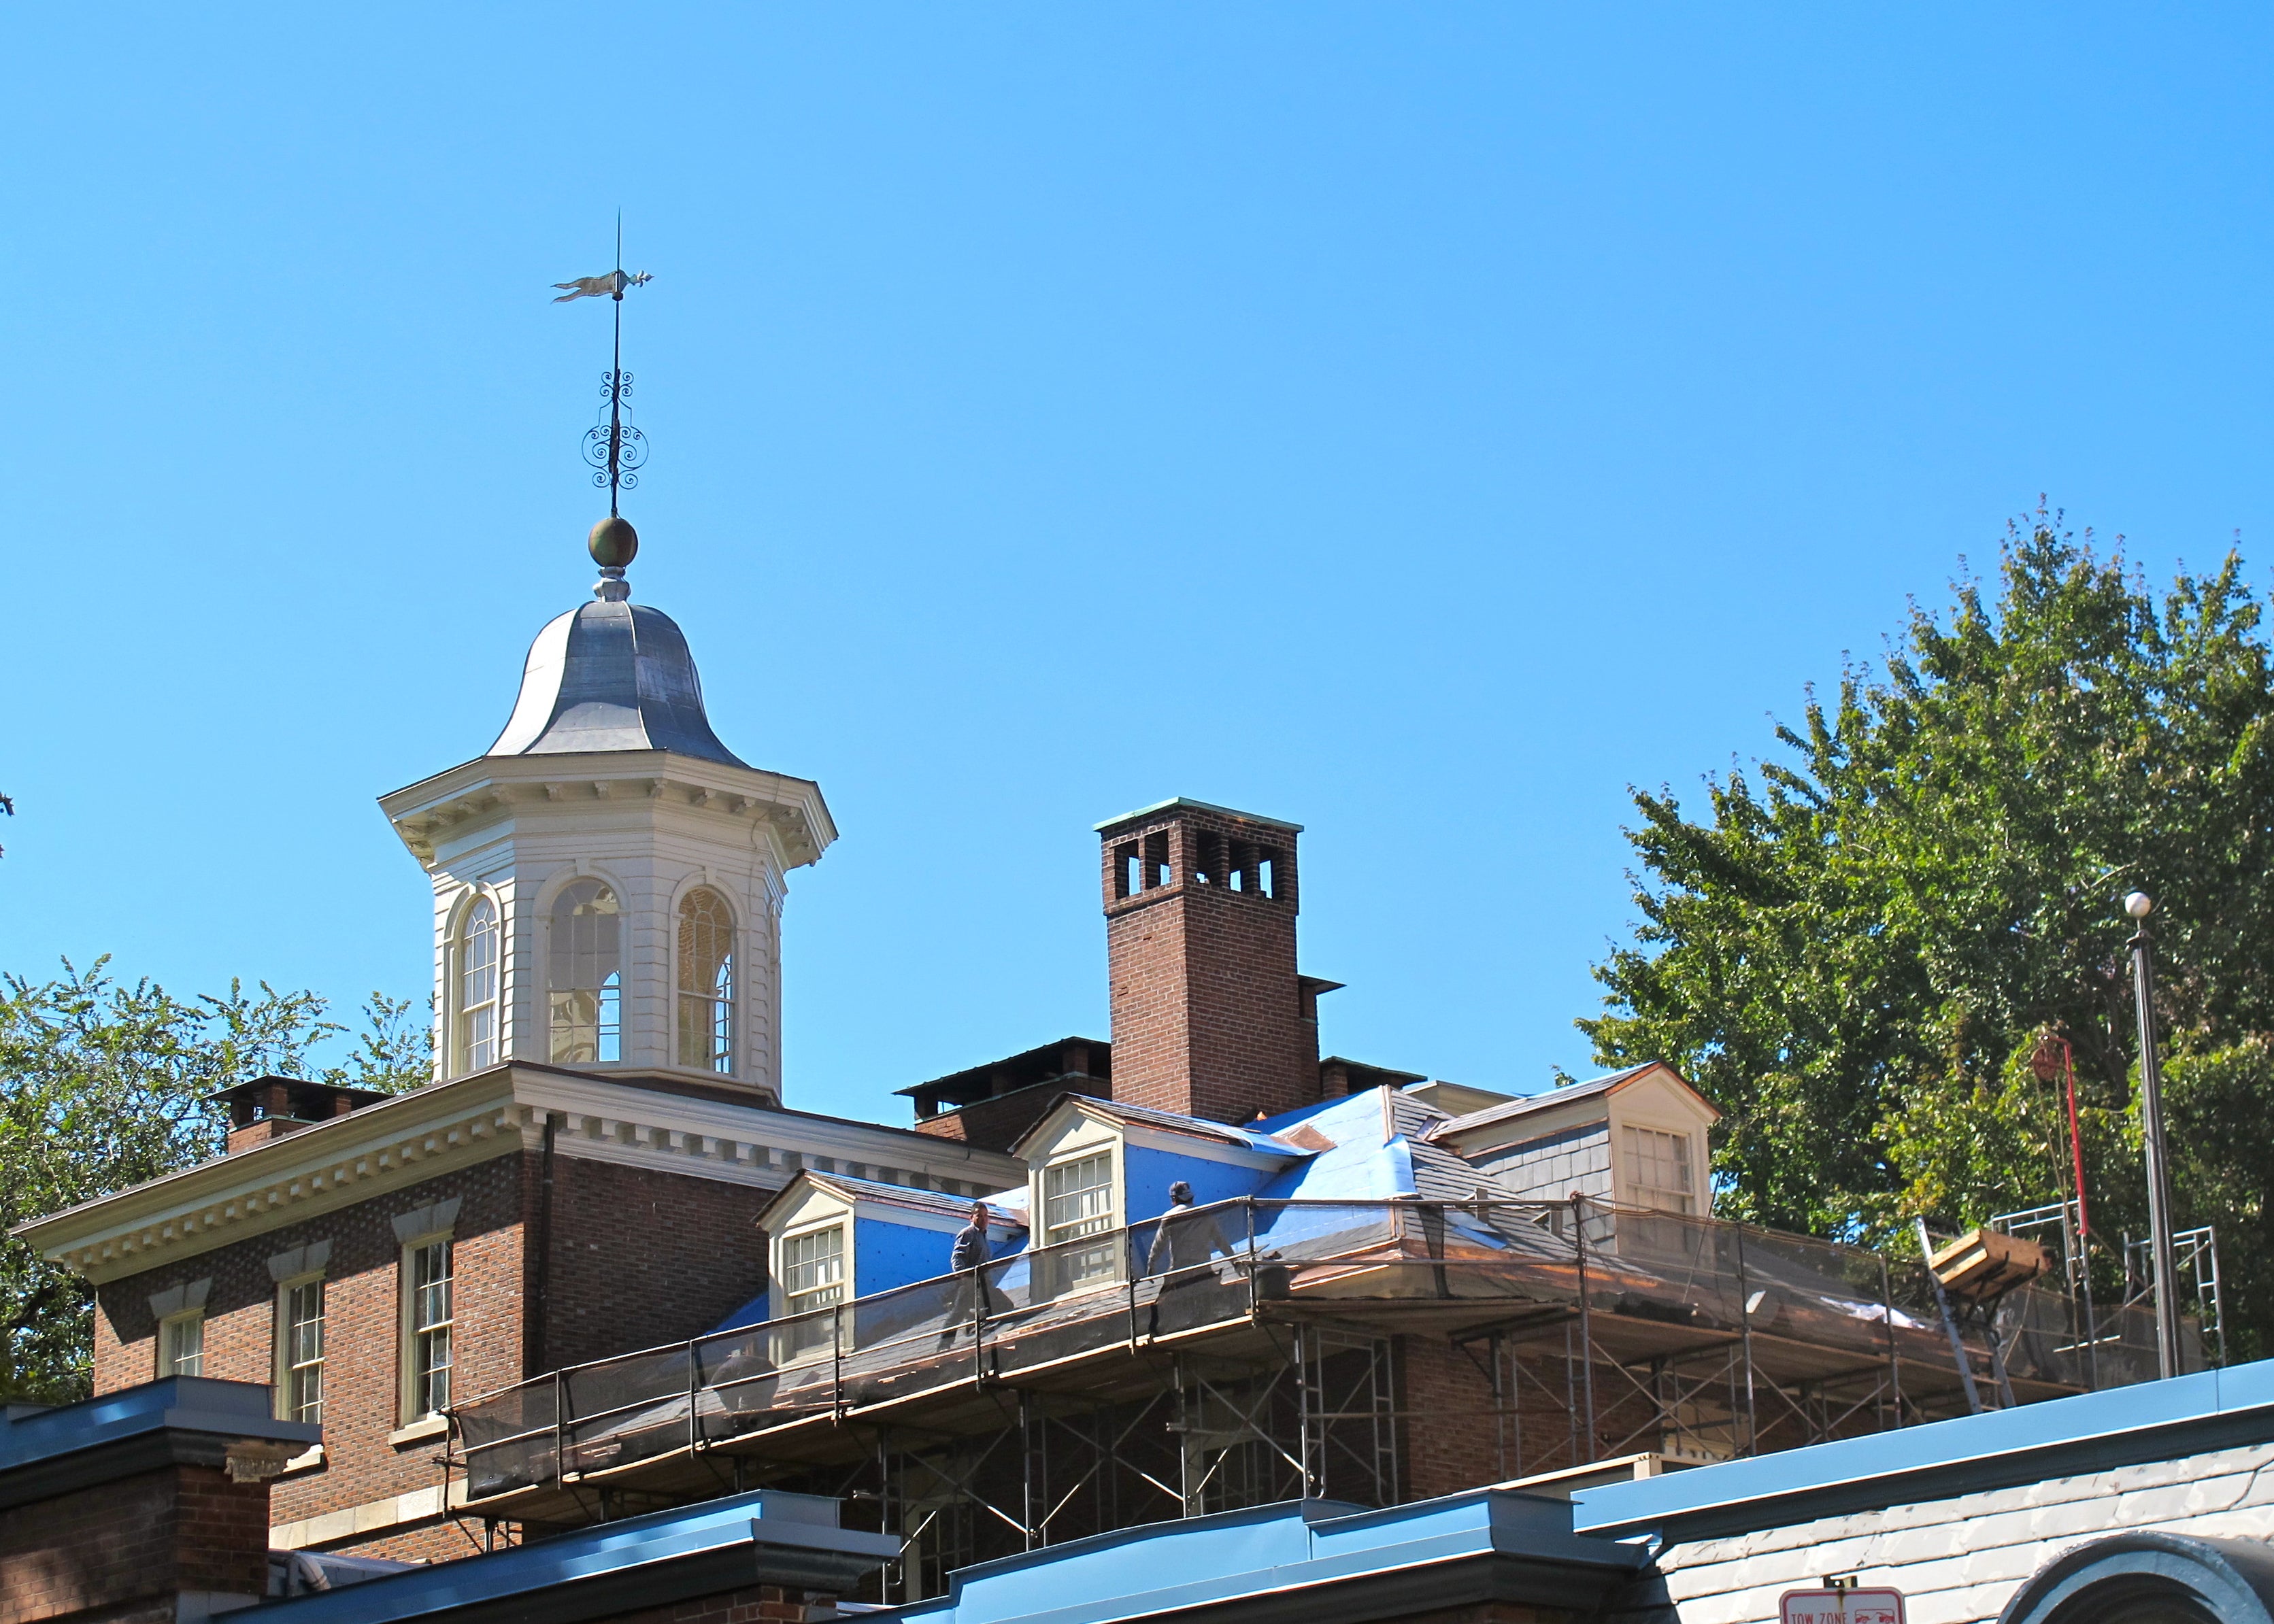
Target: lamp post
<point>2139,905</point>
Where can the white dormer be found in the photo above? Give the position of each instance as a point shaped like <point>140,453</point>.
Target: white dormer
<point>1095,1167</point>
<point>1637,1137</point>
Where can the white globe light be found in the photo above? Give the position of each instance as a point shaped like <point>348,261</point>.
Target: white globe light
<point>2139,905</point>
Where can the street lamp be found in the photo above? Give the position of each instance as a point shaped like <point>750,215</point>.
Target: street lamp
<point>2139,905</point>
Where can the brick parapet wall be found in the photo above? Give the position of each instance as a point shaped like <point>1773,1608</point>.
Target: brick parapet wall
<point>120,1551</point>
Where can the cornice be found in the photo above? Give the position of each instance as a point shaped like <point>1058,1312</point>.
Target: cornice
<point>398,1142</point>
<point>427,813</point>
<point>414,1137</point>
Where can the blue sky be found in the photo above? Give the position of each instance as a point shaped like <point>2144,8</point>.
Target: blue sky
<point>1418,422</point>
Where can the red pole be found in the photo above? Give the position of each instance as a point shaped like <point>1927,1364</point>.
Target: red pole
<point>2076,1140</point>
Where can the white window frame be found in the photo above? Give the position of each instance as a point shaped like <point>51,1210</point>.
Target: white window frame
<point>810,1341</point>
<point>173,1329</point>
<point>462,1056</point>
<point>1083,1268</point>
<point>1680,1202</point>
<point>287,1368</point>
<point>410,1333</point>
<point>698,1015</point>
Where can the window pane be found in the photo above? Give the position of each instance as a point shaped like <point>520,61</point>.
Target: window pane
<point>583,975</point>
<point>1077,1201</point>
<point>707,981</point>
<point>1658,1168</point>
<point>183,1346</point>
<point>303,1352</point>
<point>431,1271</point>
<point>1078,1196</point>
<point>477,988</point>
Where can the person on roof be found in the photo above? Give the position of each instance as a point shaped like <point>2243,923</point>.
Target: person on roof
<point>973,1297</point>
<point>1184,1238</point>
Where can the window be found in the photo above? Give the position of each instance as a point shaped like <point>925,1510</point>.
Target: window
<point>181,1344</point>
<point>300,1351</point>
<point>1077,1201</point>
<point>586,979</point>
<point>427,1314</point>
<point>706,982</point>
<point>812,1276</point>
<point>1658,1171</point>
<point>477,988</point>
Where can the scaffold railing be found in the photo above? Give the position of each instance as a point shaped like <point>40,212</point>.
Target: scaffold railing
<point>1593,1330</point>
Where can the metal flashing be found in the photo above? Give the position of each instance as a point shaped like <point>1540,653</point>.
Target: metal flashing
<point>2091,1432</point>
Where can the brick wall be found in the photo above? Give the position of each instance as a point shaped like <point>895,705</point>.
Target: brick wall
<point>1450,1441</point>
<point>362,1305</point>
<point>641,1257</point>
<point>1208,1016</point>
<point>119,1551</point>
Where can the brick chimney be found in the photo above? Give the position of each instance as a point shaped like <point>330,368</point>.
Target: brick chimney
<point>1211,1018</point>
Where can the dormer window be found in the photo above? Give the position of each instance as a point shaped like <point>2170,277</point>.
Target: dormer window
<point>812,1277</point>
<point>1077,1202</point>
<point>1659,1171</point>
<point>477,988</point>
<point>586,981</point>
<point>707,981</point>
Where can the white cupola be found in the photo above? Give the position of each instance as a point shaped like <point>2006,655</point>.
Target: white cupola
<point>609,878</point>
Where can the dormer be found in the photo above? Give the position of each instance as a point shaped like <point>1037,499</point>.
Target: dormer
<point>1096,1167</point>
<point>832,1238</point>
<point>1637,1137</point>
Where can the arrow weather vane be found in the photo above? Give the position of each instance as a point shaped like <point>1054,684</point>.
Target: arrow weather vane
<point>614,449</point>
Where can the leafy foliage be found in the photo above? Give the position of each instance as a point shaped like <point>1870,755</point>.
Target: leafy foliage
<point>102,1085</point>
<point>1852,955</point>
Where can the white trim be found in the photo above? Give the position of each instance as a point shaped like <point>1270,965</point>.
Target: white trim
<point>413,1137</point>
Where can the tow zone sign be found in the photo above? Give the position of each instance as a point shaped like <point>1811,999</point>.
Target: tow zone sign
<point>1841,1608</point>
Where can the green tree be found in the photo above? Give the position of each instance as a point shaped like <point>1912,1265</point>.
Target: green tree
<point>1853,952</point>
<point>102,1085</point>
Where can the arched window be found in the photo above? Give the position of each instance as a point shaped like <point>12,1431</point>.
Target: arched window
<point>706,982</point>
<point>477,988</point>
<point>585,982</point>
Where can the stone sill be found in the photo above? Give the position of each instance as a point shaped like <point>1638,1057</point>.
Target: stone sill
<point>432,1426</point>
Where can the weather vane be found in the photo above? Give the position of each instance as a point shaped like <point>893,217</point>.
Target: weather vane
<point>613,448</point>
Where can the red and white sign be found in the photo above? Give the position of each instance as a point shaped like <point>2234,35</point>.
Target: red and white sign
<point>1841,1608</point>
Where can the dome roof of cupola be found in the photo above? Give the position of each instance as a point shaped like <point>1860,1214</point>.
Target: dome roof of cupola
<point>611,676</point>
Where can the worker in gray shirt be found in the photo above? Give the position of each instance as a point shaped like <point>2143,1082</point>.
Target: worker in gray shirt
<point>973,1297</point>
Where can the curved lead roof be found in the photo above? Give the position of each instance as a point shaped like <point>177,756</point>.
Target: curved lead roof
<point>611,676</point>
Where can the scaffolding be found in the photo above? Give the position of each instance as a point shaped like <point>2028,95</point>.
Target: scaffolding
<point>1368,1352</point>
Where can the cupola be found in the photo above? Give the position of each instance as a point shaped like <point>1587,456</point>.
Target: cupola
<point>609,877</point>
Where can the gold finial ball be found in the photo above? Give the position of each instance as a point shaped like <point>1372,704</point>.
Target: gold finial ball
<point>614,543</point>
